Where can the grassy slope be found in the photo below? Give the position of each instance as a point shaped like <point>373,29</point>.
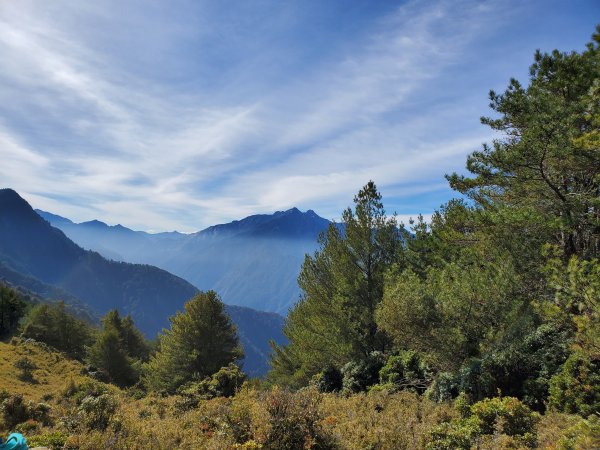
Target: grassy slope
<point>53,374</point>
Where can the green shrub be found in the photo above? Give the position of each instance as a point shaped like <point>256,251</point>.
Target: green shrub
<point>26,368</point>
<point>513,417</point>
<point>575,388</point>
<point>78,392</point>
<point>443,388</point>
<point>97,412</point>
<point>406,371</point>
<point>55,440</point>
<point>359,375</point>
<point>329,379</point>
<point>224,383</point>
<point>584,434</point>
<point>506,419</point>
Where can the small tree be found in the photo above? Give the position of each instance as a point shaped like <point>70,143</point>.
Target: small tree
<point>202,339</point>
<point>108,355</point>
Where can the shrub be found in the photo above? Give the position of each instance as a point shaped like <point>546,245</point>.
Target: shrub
<point>443,388</point>
<point>575,388</point>
<point>329,379</point>
<point>359,375</point>
<point>584,434</point>
<point>295,421</point>
<point>14,411</point>
<point>506,419</point>
<point>97,412</point>
<point>224,383</point>
<point>26,368</point>
<point>406,371</point>
<point>54,440</point>
<point>78,392</point>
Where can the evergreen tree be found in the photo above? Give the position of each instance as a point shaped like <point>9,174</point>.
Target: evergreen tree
<point>108,354</point>
<point>541,179</point>
<point>201,340</point>
<point>118,349</point>
<point>12,309</point>
<point>53,325</point>
<point>342,283</point>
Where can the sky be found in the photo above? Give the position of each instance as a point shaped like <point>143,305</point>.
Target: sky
<point>178,115</point>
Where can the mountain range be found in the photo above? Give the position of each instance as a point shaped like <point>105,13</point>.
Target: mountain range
<point>252,262</point>
<point>42,259</point>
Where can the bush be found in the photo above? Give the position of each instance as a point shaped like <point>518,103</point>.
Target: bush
<point>359,375</point>
<point>329,379</point>
<point>14,411</point>
<point>576,388</point>
<point>78,392</point>
<point>224,383</point>
<point>26,368</point>
<point>406,371</point>
<point>506,419</point>
<point>443,388</point>
<point>97,412</point>
<point>584,434</point>
<point>54,440</point>
<point>295,422</point>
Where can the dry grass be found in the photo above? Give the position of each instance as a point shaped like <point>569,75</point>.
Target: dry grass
<point>53,374</point>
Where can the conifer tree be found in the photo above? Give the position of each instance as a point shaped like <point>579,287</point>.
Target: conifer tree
<point>201,340</point>
<point>342,283</point>
<point>118,348</point>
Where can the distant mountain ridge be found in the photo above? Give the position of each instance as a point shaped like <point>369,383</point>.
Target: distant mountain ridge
<point>41,258</point>
<point>252,262</point>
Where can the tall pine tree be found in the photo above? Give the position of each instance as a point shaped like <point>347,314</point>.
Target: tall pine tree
<point>342,283</point>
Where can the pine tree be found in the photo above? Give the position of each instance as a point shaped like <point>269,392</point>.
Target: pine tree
<point>342,283</point>
<point>109,355</point>
<point>118,349</point>
<point>201,340</point>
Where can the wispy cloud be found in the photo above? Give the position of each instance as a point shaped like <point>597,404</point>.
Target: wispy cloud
<point>181,115</point>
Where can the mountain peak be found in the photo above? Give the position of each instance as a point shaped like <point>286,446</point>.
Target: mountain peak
<point>12,202</point>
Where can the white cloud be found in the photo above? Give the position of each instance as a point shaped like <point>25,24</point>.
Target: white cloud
<point>119,143</point>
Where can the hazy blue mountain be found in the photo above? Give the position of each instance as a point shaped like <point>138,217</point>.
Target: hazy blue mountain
<point>251,262</point>
<point>40,258</point>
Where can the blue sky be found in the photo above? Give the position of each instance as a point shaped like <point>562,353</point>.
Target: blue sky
<point>165,115</point>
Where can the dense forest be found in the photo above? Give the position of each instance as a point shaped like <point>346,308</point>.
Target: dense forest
<point>480,329</point>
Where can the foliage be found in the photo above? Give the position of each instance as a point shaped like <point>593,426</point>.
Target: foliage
<point>53,325</point>
<point>360,375</point>
<point>329,379</point>
<point>118,349</point>
<point>223,383</point>
<point>53,440</point>
<point>576,388</point>
<point>201,340</point>
<point>541,172</point>
<point>577,294</point>
<point>15,410</point>
<point>342,283</point>
<point>26,367</point>
<point>12,309</point>
<point>505,416</point>
<point>109,356</point>
<point>97,412</point>
<point>294,422</point>
<point>453,311</point>
<point>406,371</point>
